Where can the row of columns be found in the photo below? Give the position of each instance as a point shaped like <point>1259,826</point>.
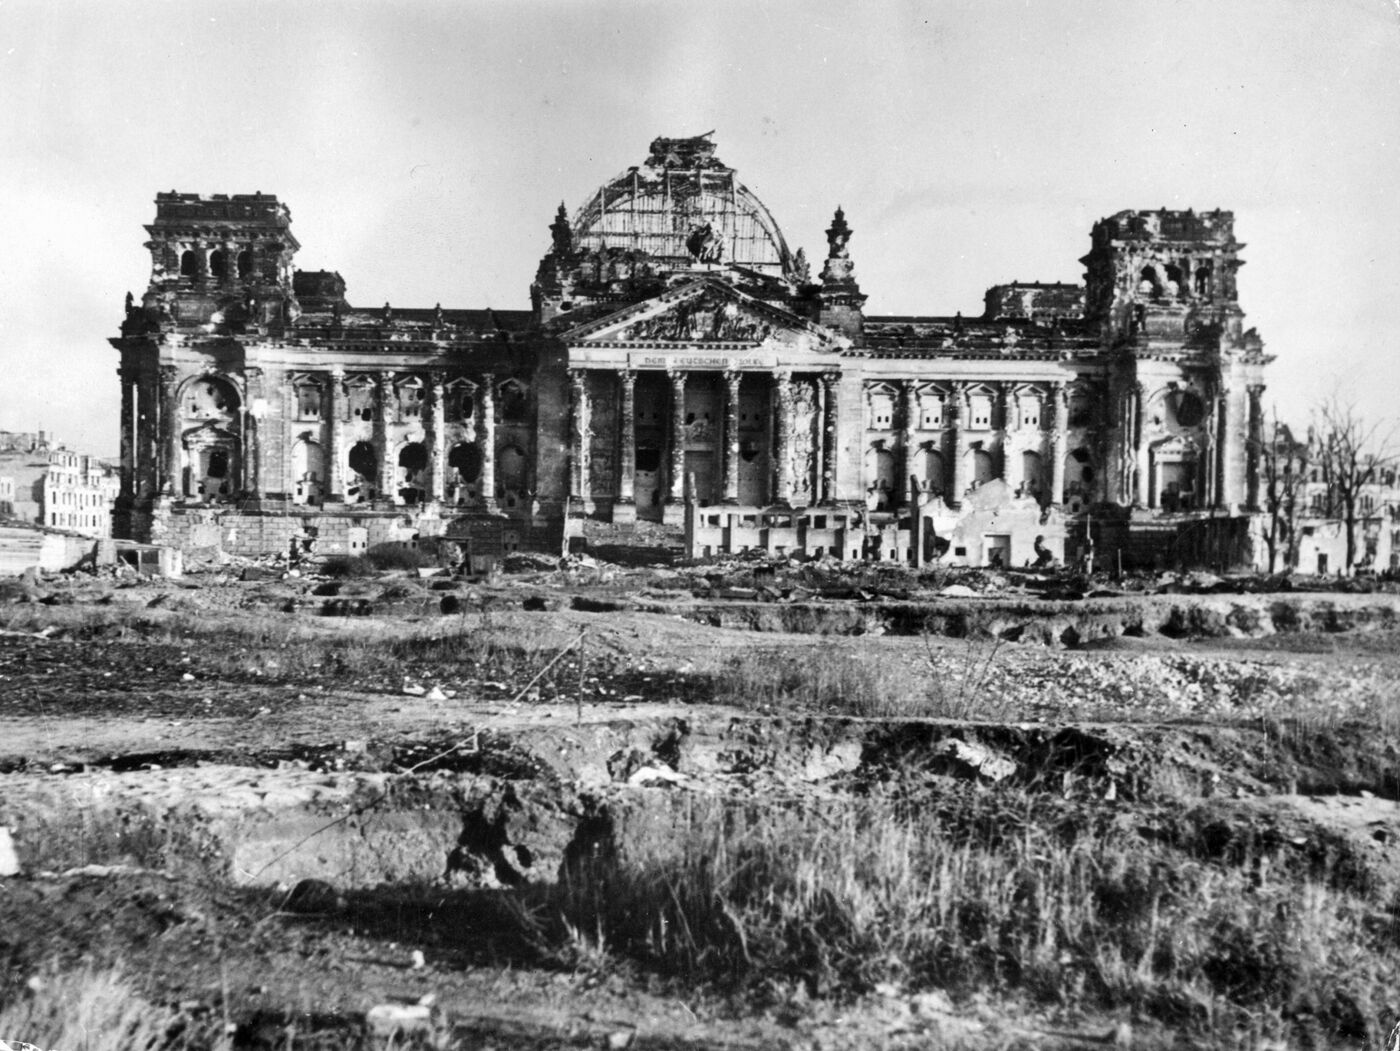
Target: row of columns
<point>152,441</point>
<point>624,485</point>
<point>956,407</point>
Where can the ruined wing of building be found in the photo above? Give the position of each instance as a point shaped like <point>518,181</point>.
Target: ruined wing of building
<point>680,365</point>
<point>44,483</point>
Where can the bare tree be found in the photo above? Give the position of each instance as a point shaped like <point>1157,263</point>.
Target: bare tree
<point>1283,470</point>
<point>1351,454</point>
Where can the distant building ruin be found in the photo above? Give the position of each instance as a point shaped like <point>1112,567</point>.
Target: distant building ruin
<point>679,359</point>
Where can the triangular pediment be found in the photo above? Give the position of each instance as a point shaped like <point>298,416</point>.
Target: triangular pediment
<point>707,313</point>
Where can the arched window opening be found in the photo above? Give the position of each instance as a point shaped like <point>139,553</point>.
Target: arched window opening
<point>187,264</point>
<point>879,475</point>
<point>217,265</point>
<point>245,263</point>
<point>983,467</point>
<point>413,464</point>
<point>1189,408</point>
<point>1202,280</point>
<point>364,464</point>
<point>1147,282</point>
<point>1032,476</point>
<point>306,472</point>
<point>1175,280</point>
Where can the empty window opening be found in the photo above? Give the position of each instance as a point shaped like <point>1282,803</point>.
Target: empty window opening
<point>413,462</point>
<point>1202,280</point>
<point>365,464</point>
<point>466,461</point>
<point>648,458</point>
<point>217,265</point>
<point>187,264</point>
<point>245,263</point>
<point>460,406</point>
<point>515,406</point>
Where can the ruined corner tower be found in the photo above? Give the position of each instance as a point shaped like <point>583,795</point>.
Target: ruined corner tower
<point>1184,379</point>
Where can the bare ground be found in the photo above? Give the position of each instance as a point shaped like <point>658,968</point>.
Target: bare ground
<point>177,761</point>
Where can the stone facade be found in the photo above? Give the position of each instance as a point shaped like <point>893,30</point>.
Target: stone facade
<point>681,364</point>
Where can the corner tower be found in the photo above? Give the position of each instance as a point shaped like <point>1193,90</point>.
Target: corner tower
<point>224,255</point>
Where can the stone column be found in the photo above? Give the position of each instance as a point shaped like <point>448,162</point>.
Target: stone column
<point>252,439</point>
<point>1225,493</point>
<point>335,434</point>
<point>1254,447</point>
<point>578,435</point>
<point>829,435</point>
<point>146,417</point>
<point>782,434</point>
<point>437,466</point>
<point>169,432</point>
<point>128,436</point>
<point>487,432</point>
<point>627,438</point>
<point>956,407</point>
<point>384,383</point>
<point>732,382</point>
<point>1059,437</point>
<point>907,440</point>
<point>677,480</point>
<point>1142,455</point>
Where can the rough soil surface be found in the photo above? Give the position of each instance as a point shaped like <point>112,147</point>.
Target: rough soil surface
<point>275,839</point>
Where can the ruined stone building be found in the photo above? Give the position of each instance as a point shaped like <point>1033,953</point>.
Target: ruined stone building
<point>680,365</point>
<point>44,483</point>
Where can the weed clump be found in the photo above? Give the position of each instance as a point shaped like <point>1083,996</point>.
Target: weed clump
<point>344,567</point>
<point>870,893</point>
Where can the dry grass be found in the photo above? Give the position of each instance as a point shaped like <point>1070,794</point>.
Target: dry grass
<point>99,1009</point>
<point>868,893</point>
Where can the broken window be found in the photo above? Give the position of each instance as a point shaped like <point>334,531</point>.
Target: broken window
<point>465,459</point>
<point>1190,410</point>
<point>365,465</point>
<point>362,402</point>
<point>1081,411</point>
<point>410,397</point>
<point>413,463</point>
<point>460,405</point>
<point>308,401</point>
<point>306,472</point>
<point>512,471</point>
<point>187,264</point>
<point>515,407</point>
<point>211,398</point>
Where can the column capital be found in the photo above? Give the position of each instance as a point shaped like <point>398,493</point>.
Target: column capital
<point>733,377</point>
<point>628,377</point>
<point>782,377</point>
<point>830,378</point>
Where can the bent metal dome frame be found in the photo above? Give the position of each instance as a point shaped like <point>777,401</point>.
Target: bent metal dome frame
<point>655,208</point>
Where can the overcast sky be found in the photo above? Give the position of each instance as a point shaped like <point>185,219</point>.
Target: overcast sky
<point>423,148</point>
